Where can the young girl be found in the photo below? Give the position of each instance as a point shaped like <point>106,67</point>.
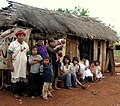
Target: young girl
<point>74,68</point>
<point>85,71</point>
<point>65,74</point>
<point>34,62</point>
<point>98,70</point>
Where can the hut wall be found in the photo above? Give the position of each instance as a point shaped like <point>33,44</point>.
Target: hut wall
<point>100,53</point>
<point>95,52</point>
<point>72,47</point>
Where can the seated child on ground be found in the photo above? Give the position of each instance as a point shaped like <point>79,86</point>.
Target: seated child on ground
<point>85,71</point>
<point>93,70</point>
<point>74,69</point>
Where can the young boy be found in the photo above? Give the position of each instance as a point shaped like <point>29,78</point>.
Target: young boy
<point>48,77</point>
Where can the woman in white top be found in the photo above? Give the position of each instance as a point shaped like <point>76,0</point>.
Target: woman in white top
<point>65,73</point>
<point>17,55</point>
<point>74,69</point>
<point>84,68</point>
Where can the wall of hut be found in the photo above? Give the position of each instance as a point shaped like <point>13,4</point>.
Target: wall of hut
<point>95,49</point>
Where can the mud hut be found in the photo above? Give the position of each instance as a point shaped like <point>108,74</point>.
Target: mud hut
<point>84,35</point>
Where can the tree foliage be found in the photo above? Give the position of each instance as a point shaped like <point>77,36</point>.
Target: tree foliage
<point>112,28</point>
<point>76,11</point>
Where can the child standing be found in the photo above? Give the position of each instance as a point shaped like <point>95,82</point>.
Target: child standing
<point>57,69</point>
<point>34,61</point>
<point>48,77</point>
<point>98,70</point>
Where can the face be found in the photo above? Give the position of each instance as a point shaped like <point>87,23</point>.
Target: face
<point>97,63</point>
<point>34,51</point>
<point>52,44</point>
<point>20,38</point>
<point>46,61</point>
<point>75,62</point>
<point>92,64</point>
<point>40,42</point>
<point>66,61</point>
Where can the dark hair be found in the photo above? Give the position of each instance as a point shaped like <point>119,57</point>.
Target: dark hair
<point>97,61</point>
<point>39,38</point>
<point>75,59</point>
<point>85,56</point>
<point>92,62</point>
<point>32,48</point>
<point>51,40</point>
<point>60,53</point>
<point>66,57</point>
<point>46,57</point>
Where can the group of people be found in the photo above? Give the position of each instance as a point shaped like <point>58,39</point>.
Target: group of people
<point>46,67</point>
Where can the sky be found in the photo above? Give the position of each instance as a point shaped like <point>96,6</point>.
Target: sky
<point>105,10</point>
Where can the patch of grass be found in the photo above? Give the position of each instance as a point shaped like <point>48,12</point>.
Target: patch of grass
<point>117,55</point>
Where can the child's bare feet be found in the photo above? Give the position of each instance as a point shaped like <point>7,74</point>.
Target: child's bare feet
<point>56,88</point>
<point>45,98</point>
<point>50,95</point>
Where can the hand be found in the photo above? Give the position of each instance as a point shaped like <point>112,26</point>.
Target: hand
<point>61,46</point>
<point>35,59</point>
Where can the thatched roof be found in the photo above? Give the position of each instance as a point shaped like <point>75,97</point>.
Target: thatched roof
<point>55,22</point>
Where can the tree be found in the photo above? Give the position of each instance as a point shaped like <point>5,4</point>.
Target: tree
<point>112,28</point>
<point>76,11</point>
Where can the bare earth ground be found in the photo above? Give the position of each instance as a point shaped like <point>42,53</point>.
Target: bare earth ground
<point>107,94</point>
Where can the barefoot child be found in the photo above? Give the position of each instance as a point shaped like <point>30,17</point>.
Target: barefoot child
<point>48,78</point>
<point>75,70</point>
<point>57,69</point>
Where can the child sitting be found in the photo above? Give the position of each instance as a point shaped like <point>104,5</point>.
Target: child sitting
<point>48,77</point>
<point>74,68</point>
<point>65,71</point>
<point>85,71</point>
<point>93,70</point>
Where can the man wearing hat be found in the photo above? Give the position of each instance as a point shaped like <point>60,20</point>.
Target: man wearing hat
<point>17,55</point>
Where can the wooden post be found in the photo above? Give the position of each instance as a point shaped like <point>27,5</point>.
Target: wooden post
<point>111,59</point>
<point>104,56</point>
<point>101,55</point>
<point>95,48</point>
<point>90,51</point>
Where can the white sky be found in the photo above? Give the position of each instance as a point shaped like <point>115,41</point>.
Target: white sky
<point>106,10</point>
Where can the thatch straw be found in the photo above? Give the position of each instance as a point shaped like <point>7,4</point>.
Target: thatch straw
<point>54,22</point>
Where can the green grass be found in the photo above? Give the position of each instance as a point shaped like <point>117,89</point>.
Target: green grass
<point>117,55</point>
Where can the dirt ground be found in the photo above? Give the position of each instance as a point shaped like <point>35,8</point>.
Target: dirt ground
<point>107,94</point>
